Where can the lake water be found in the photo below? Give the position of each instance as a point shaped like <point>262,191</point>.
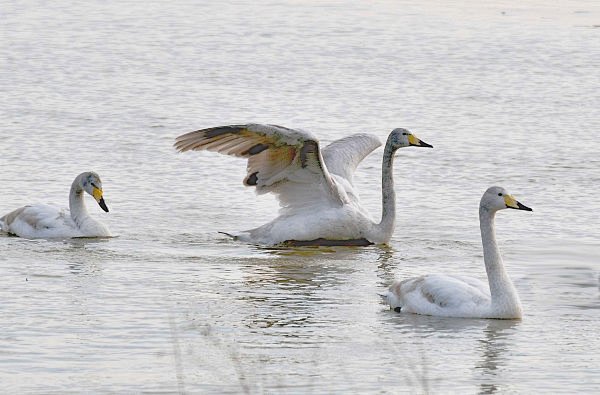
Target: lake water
<point>508,94</point>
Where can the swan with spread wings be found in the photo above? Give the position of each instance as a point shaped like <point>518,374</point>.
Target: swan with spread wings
<point>314,186</point>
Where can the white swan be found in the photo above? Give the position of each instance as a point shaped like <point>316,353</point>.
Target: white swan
<point>40,221</point>
<point>319,204</point>
<point>461,296</point>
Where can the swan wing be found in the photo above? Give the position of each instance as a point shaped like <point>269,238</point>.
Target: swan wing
<point>35,219</point>
<point>343,156</point>
<point>284,161</point>
<point>433,294</point>
<point>453,291</point>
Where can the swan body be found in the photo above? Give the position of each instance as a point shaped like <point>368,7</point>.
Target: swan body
<point>40,221</point>
<point>462,296</point>
<point>314,186</point>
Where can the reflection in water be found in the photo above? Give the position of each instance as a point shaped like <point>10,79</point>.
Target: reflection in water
<point>341,252</point>
<point>291,289</point>
<point>426,324</point>
<point>286,292</point>
<point>493,346</point>
<point>490,336</point>
<point>84,256</point>
<point>386,266</point>
<point>84,268</point>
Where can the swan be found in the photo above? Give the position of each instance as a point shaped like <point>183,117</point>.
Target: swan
<point>314,186</point>
<point>462,296</point>
<point>40,221</point>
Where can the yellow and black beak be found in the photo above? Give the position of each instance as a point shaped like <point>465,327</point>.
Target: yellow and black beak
<point>97,193</point>
<point>414,141</point>
<point>511,202</point>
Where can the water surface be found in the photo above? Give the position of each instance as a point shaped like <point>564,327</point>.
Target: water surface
<point>508,95</point>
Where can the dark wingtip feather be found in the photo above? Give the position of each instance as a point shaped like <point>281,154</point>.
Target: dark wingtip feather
<point>252,179</point>
<point>255,150</point>
<point>188,141</point>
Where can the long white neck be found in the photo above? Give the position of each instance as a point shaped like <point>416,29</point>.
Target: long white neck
<point>76,203</point>
<point>384,230</point>
<point>505,299</point>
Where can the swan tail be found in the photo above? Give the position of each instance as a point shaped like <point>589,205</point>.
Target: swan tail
<point>4,223</point>
<point>234,237</point>
<point>386,298</point>
<point>390,299</point>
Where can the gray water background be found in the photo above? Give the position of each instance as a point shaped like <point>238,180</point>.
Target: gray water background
<point>507,93</point>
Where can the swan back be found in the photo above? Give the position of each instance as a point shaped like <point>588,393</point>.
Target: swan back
<point>441,295</point>
<point>40,221</point>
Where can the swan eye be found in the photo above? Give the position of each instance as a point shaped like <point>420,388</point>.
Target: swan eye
<point>404,134</point>
<point>500,194</point>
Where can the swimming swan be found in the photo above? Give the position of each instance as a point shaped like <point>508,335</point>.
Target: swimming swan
<point>319,205</point>
<point>42,221</point>
<point>461,296</point>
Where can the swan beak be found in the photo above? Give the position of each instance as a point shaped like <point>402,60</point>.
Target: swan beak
<point>414,141</point>
<point>97,193</point>
<point>511,202</point>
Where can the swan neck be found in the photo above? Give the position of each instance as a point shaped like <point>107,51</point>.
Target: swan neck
<point>388,195</point>
<point>76,203</point>
<point>502,291</point>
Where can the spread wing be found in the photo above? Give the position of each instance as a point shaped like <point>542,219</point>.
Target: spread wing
<point>284,161</point>
<point>343,156</point>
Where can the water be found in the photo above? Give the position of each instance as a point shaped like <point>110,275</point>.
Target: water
<point>507,93</point>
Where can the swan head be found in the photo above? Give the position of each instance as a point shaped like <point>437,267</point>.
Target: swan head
<point>401,137</point>
<point>91,183</point>
<point>498,198</point>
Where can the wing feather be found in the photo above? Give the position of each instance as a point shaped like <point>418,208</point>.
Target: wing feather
<point>343,156</point>
<point>279,160</point>
<point>445,291</point>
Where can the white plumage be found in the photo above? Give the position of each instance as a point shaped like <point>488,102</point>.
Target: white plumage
<point>462,296</point>
<point>319,204</point>
<point>40,221</point>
